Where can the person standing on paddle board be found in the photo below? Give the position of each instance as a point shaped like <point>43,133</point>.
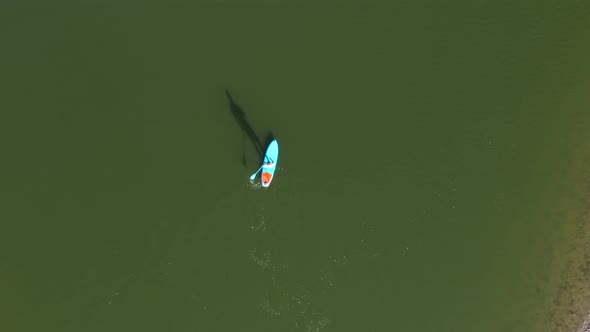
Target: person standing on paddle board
<point>267,176</point>
<point>269,164</point>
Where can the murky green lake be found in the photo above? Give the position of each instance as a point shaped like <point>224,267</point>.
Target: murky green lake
<point>423,145</point>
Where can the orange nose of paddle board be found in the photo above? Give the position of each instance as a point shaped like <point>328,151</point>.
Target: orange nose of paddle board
<point>266,177</point>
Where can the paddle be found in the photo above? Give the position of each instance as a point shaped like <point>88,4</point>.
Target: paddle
<point>254,175</point>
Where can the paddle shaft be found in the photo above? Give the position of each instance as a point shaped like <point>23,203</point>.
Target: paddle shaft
<point>254,175</point>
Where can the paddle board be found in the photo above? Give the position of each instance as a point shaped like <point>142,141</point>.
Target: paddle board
<point>269,165</point>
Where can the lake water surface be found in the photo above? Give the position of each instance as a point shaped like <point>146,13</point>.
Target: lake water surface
<point>425,148</point>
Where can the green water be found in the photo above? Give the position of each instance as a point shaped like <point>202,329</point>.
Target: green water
<point>420,145</point>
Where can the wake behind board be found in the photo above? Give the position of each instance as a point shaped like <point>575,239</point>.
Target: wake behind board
<point>269,165</point>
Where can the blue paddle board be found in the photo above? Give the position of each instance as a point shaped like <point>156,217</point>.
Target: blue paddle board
<point>269,165</point>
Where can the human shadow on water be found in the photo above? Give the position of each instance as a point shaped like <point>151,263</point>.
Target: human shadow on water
<point>242,121</point>
<point>269,138</point>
